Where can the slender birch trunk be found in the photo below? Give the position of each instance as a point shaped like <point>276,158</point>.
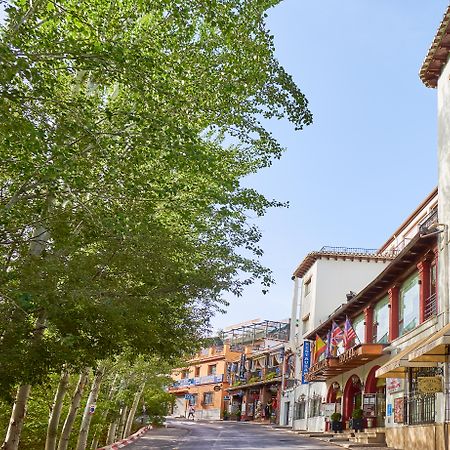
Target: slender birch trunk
<point>74,406</point>
<point>17,418</point>
<point>133,410</point>
<point>112,391</point>
<point>112,430</point>
<point>92,400</point>
<point>123,418</point>
<point>38,243</point>
<point>52,430</point>
<point>20,405</point>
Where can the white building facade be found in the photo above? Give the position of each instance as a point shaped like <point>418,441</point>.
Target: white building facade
<point>321,283</point>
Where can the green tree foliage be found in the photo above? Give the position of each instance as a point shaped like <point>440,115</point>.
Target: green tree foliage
<point>125,131</point>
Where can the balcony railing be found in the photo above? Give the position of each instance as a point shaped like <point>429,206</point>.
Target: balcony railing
<point>430,309</point>
<point>429,220</point>
<point>208,379</point>
<point>349,250</point>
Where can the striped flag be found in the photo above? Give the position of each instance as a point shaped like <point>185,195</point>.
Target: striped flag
<point>319,348</point>
<point>349,334</point>
<point>337,335</point>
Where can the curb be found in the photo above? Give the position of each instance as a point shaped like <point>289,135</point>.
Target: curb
<point>124,442</point>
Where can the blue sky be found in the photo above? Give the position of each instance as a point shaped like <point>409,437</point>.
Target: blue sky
<point>369,158</point>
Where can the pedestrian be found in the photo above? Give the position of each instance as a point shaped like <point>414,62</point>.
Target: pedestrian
<point>191,412</point>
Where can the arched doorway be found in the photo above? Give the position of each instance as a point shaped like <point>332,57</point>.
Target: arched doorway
<point>371,381</point>
<point>334,395</point>
<point>352,396</point>
<point>377,386</point>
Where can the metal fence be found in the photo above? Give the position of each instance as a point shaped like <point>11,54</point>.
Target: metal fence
<point>420,409</point>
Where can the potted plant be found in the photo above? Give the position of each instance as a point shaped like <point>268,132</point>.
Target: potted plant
<point>357,421</point>
<point>238,415</point>
<point>225,414</point>
<point>336,424</point>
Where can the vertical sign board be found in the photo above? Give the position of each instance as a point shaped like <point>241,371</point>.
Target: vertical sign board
<point>306,360</point>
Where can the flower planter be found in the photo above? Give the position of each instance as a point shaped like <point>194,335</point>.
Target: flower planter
<point>357,424</point>
<point>336,426</point>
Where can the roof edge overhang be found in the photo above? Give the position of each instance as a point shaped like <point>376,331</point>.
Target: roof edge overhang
<point>359,298</point>
<point>438,54</point>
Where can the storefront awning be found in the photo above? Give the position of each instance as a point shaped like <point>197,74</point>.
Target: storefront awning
<point>397,366</point>
<point>434,349</point>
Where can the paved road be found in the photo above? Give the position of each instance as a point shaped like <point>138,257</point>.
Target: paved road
<point>185,435</point>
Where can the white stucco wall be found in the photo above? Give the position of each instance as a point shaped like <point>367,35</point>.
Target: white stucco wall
<point>331,280</point>
<point>444,176</point>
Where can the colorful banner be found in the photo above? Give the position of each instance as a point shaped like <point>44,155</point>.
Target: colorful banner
<point>306,360</point>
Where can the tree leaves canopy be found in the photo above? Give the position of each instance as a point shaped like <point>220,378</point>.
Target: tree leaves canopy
<point>126,128</point>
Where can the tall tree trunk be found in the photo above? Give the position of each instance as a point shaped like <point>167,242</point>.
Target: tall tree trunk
<point>104,415</point>
<point>92,400</point>
<point>112,432</point>
<point>23,392</point>
<point>74,406</point>
<point>38,243</point>
<point>52,430</point>
<point>123,418</point>
<point>17,418</point>
<point>133,409</point>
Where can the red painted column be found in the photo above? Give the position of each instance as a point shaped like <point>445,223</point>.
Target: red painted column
<point>368,329</point>
<point>393,312</point>
<point>424,289</point>
<point>436,260</point>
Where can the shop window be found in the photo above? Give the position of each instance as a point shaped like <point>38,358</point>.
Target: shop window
<point>314,405</point>
<point>358,326</point>
<point>420,408</point>
<point>381,321</point>
<point>300,410</point>
<point>197,371</point>
<point>431,302</point>
<point>409,305</point>
<point>212,369</point>
<point>208,398</point>
<point>193,399</point>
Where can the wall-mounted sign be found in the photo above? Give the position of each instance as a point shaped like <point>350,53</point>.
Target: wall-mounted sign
<point>389,409</point>
<point>328,409</point>
<point>347,355</point>
<point>369,405</point>
<point>306,360</point>
<point>217,388</point>
<point>226,397</point>
<point>429,385</point>
<point>394,385</point>
<point>399,409</point>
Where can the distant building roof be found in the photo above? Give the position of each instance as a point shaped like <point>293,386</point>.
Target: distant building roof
<point>438,53</point>
<point>342,253</point>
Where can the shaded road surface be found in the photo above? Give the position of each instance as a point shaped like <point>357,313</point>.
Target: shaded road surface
<point>185,435</point>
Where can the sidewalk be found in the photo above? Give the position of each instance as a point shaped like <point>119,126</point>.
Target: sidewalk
<point>345,440</point>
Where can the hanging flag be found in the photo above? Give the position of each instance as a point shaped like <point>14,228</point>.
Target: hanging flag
<point>349,334</point>
<point>319,348</point>
<point>337,335</point>
<point>328,350</point>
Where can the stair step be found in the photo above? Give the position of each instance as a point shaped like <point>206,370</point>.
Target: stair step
<point>338,439</point>
<point>357,445</point>
<point>320,435</point>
